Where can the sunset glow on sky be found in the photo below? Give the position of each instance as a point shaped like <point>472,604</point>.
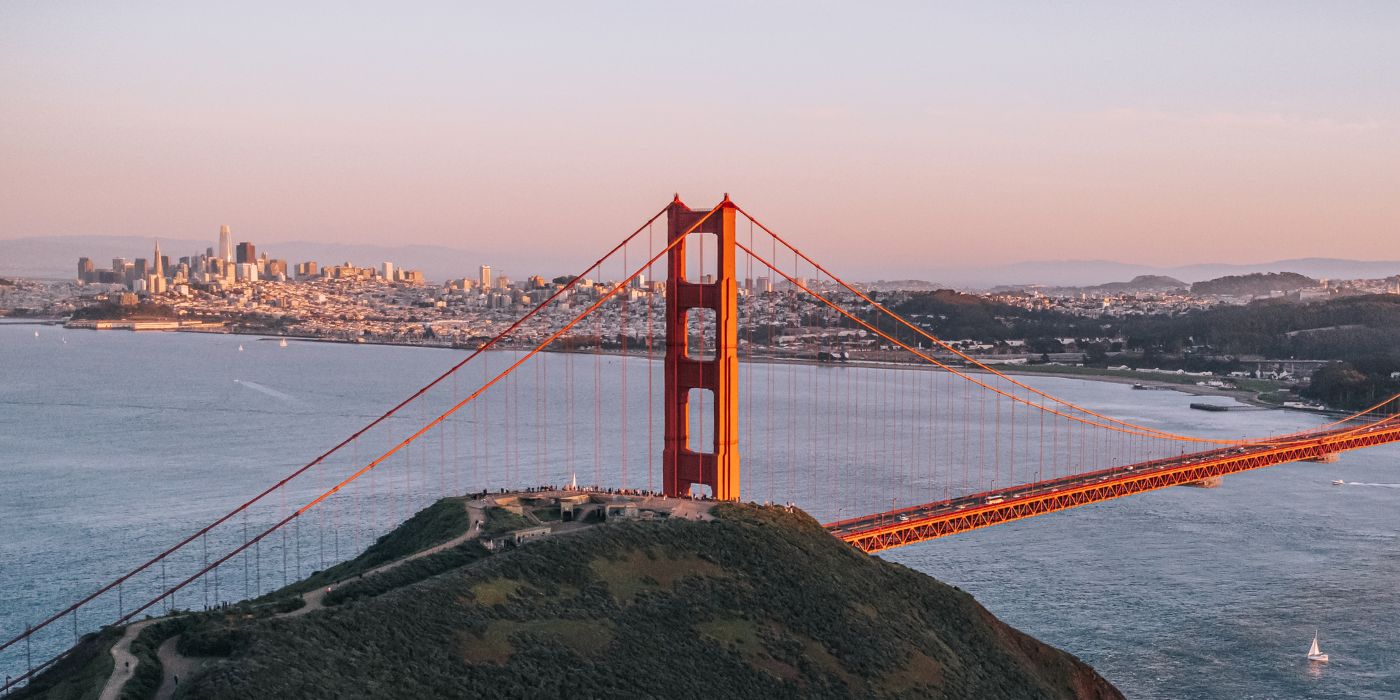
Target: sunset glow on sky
<point>888,135</point>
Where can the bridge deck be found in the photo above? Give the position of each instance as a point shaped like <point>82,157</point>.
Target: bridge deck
<point>880,531</point>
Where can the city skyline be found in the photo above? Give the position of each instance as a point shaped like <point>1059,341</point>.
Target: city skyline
<point>50,258</point>
<point>954,136</point>
<point>227,262</point>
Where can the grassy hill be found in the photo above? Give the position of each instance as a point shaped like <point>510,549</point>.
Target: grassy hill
<point>759,603</point>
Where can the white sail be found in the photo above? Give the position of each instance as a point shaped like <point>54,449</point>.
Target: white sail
<point>1313,650</point>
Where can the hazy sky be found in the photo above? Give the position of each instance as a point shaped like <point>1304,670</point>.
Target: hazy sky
<point>880,135</point>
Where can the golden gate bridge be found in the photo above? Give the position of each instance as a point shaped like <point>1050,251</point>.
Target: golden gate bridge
<point>948,443</point>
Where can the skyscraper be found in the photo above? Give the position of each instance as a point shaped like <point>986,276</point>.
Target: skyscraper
<point>225,244</point>
<point>485,278</point>
<point>247,253</point>
<point>387,270</point>
<point>159,265</point>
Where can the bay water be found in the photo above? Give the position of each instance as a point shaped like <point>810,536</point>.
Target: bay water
<point>117,444</point>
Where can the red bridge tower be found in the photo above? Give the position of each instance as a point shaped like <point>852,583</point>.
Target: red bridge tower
<point>683,466</point>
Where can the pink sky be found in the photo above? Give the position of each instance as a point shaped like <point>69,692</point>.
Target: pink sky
<point>891,137</point>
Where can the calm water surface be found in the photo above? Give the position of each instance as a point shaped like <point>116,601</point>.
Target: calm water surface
<point>117,444</point>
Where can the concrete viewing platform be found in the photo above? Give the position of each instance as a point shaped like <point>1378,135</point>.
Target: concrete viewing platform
<point>546,511</point>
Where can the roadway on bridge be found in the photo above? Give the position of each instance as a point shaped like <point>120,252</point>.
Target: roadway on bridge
<point>941,518</point>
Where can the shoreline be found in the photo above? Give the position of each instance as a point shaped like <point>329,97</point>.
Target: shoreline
<point>1244,396</point>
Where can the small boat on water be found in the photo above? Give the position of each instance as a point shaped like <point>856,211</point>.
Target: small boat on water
<point>1338,482</point>
<point>240,347</point>
<point>282,343</point>
<point>1314,653</point>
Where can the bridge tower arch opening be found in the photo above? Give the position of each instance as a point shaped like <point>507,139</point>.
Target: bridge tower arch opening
<point>682,465</point>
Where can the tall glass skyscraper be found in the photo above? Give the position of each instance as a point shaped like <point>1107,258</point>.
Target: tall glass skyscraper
<point>225,244</point>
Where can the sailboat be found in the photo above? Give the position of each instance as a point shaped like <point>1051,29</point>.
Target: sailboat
<point>282,343</point>
<point>1314,653</point>
<point>240,348</point>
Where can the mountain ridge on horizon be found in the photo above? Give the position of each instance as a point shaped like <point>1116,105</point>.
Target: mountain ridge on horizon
<point>1086,273</point>
<point>55,257</point>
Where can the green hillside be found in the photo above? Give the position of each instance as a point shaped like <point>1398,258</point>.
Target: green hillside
<point>758,603</point>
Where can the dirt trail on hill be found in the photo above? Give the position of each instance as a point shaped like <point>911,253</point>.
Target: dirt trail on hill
<point>126,662</point>
<point>175,664</point>
<point>315,600</point>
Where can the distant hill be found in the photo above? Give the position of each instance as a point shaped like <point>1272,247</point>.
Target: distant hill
<point>1255,284</point>
<point>1085,273</point>
<point>758,603</point>
<point>904,286</point>
<point>955,315</point>
<point>1141,283</point>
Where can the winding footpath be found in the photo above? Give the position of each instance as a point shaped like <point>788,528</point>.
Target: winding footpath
<point>175,665</point>
<point>315,599</point>
<point>125,665</point>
